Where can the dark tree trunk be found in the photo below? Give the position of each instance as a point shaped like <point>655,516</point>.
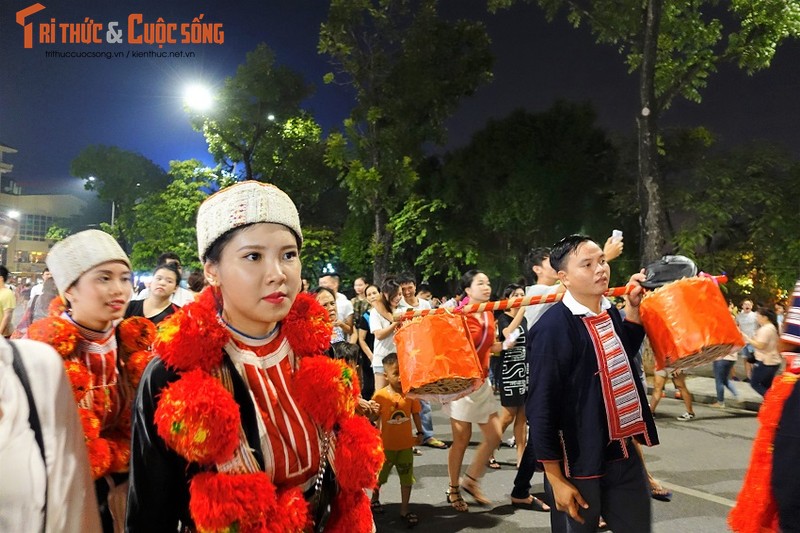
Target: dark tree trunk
<point>383,241</point>
<point>651,213</point>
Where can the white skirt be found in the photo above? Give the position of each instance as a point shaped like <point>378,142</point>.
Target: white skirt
<point>475,408</point>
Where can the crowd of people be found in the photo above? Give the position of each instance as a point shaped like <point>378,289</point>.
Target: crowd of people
<point>254,401</point>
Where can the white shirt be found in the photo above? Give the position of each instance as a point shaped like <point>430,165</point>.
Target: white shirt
<point>384,347</point>
<point>36,290</point>
<point>71,501</point>
<point>534,312</point>
<point>579,309</point>
<point>344,307</point>
<point>421,306</point>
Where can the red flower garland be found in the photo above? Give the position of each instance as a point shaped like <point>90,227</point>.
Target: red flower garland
<point>359,454</point>
<point>58,332</point>
<point>90,423</point>
<point>193,337</point>
<point>351,513</point>
<point>244,502</point>
<point>198,418</point>
<point>79,377</point>
<point>136,364</point>
<point>99,456</point>
<point>192,341</point>
<point>136,333</point>
<point>321,377</point>
<point>110,453</point>
<point>756,509</point>
<point>307,326</point>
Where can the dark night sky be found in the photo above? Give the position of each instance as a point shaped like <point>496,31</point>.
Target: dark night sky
<point>51,108</point>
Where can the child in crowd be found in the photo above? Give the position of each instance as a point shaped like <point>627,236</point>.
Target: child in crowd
<point>349,354</point>
<point>396,413</point>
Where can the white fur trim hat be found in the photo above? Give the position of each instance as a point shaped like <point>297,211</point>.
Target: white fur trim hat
<point>79,253</point>
<point>245,203</point>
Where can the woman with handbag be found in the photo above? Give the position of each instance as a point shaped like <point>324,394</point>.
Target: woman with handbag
<point>240,418</point>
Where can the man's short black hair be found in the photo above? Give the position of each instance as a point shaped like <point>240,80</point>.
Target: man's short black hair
<point>163,258</point>
<point>536,257</point>
<point>330,274</point>
<point>3,272</point>
<point>406,277</point>
<point>564,247</point>
<point>389,359</point>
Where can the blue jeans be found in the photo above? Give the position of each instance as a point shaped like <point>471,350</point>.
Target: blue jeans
<point>722,370</point>
<point>762,376</point>
<point>426,419</point>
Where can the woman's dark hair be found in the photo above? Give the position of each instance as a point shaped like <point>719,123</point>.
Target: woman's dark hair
<point>172,267</point>
<point>214,251</point>
<point>196,281</point>
<point>324,289</point>
<point>389,288</point>
<point>564,247</point>
<point>346,351</point>
<point>368,285</point>
<point>770,314</point>
<point>509,290</point>
<point>466,279</point>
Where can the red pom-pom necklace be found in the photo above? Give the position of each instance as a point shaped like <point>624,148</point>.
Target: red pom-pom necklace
<point>192,342</point>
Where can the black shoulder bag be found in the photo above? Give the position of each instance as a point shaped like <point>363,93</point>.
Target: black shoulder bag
<point>33,417</point>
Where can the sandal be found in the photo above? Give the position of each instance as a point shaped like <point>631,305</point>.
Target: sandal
<point>458,504</point>
<point>376,506</point>
<point>532,503</point>
<point>657,492</point>
<point>473,488</point>
<point>433,442</point>
<point>493,464</point>
<point>410,519</point>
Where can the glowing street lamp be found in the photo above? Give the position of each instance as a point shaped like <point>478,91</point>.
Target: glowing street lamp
<point>198,98</point>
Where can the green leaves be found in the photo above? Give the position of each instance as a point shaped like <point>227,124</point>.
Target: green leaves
<point>165,221</point>
<point>408,69</point>
<point>121,177</point>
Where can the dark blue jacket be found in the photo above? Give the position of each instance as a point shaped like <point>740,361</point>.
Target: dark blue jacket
<point>565,407</point>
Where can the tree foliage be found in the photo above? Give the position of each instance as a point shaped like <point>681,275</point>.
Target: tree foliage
<point>257,121</point>
<point>525,180</point>
<point>676,47</point>
<point>165,220</point>
<point>120,177</point>
<point>408,69</point>
<point>57,233</point>
<point>734,215</point>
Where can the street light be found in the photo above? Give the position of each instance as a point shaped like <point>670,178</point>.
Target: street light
<point>198,97</point>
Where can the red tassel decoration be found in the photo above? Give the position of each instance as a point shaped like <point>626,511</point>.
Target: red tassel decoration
<point>756,510</point>
<point>359,454</point>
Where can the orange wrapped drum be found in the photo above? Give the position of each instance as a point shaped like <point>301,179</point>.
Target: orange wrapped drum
<point>437,359</point>
<point>688,323</point>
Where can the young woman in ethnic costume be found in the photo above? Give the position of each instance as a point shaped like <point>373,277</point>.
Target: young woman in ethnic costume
<point>93,275</point>
<point>241,423</point>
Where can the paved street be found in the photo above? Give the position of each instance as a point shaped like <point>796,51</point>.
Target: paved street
<point>702,461</point>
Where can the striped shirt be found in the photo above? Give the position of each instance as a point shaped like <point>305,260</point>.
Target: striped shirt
<point>289,439</point>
